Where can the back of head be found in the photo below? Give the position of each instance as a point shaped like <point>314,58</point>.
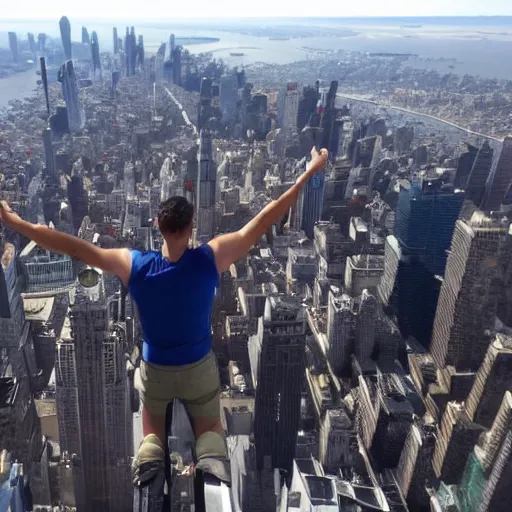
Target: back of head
<point>175,216</point>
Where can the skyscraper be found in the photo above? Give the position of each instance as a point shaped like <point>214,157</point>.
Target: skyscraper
<point>327,122</point>
<point>13,45</point>
<point>277,365</point>
<point>76,114</point>
<point>365,327</point>
<point>340,325</point>
<point>307,106</point>
<point>41,43</point>
<point>176,66</point>
<point>20,429</point>
<point>130,51</point>
<point>289,109</point>
<point>425,219</point>
<point>464,166</point>
<point>93,405</point>
<point>140,52</point>
<point>475,183</point>
<point>206,182</point>
<point>49,154</point>
<point>493,377</point>
<point>467,304</point>
<point>127,51</point>
<point>77,199</point>
<point>415,466</point>
<point>205,101</point>
<point>32,43</point>
<point>133,51</point>
<point>159,63</point>
<point>228,96</point>
<point>313,202</point>
<point>85,36</point>
<point>500,178</point>
<point>115,40</point>
<point>488,471</point>
<point>65,34</point>
<point>95,52</point>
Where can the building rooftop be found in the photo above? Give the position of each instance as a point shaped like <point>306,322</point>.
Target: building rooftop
<point>320,489</point>
<point>8,389</point>
<point>365,261</point>
<point>38,309</point>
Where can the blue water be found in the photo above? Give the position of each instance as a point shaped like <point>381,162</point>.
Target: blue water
<point>480,46</point>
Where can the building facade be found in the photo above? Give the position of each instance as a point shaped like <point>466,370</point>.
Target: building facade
<point>93,402</point>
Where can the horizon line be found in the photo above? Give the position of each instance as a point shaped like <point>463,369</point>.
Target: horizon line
<point>249,17</point>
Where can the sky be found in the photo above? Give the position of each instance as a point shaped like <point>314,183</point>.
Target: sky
<point>222,9</point>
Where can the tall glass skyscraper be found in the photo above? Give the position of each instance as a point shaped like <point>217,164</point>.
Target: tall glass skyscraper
<point>313,203</point>
<point>65,34</point>
<point>426,214</point>
<point>228,96</point>
<point>67,77</point>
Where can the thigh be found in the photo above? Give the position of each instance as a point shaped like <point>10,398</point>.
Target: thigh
<point>156,387</point>
<point>200,388</point>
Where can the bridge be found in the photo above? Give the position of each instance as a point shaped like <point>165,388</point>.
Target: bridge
<point>419,114</point>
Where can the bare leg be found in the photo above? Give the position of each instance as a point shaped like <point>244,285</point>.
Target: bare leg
<point>153,424</point>
<point>150,457</point>
<point>204,424</point>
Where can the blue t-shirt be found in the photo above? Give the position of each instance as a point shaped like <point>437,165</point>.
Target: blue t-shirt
<point>175,304</point>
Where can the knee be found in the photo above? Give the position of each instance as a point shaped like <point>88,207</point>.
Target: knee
<point>211,444</point>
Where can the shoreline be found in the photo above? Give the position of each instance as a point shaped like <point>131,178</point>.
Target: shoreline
<point>24,83</point>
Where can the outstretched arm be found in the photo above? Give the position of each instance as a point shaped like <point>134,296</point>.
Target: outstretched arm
<point>232,246</point>
<point>114,261</point>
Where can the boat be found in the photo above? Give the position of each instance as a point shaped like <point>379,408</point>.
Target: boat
<point>237,54</point>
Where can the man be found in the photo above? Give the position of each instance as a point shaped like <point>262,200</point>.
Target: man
<point>174,292</point>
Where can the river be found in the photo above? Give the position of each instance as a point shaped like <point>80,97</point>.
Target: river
<point>476,50</point>
<point>17,86</point>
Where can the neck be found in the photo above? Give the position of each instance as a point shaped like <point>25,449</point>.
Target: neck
<point>173,249</point>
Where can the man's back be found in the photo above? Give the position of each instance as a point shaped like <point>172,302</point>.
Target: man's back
<point>174,302</point>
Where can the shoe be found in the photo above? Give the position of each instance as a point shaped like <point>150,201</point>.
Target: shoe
<point>148,461</point>
<point>220,468</point>
<point>212,456</point>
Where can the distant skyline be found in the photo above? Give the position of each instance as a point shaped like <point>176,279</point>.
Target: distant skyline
<point>225,9</point>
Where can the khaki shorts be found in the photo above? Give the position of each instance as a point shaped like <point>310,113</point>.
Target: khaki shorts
<point>197,385</point>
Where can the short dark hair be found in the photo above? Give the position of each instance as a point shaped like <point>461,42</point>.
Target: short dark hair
<point>175,215</point>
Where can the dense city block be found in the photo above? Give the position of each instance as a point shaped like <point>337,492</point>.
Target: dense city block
<point>364,343</point>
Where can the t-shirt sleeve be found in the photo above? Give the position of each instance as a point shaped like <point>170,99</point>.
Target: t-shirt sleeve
<point>137,262</point>
<point>207,253</point>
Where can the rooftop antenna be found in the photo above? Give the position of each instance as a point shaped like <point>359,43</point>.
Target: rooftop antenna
<point>44,78</point>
